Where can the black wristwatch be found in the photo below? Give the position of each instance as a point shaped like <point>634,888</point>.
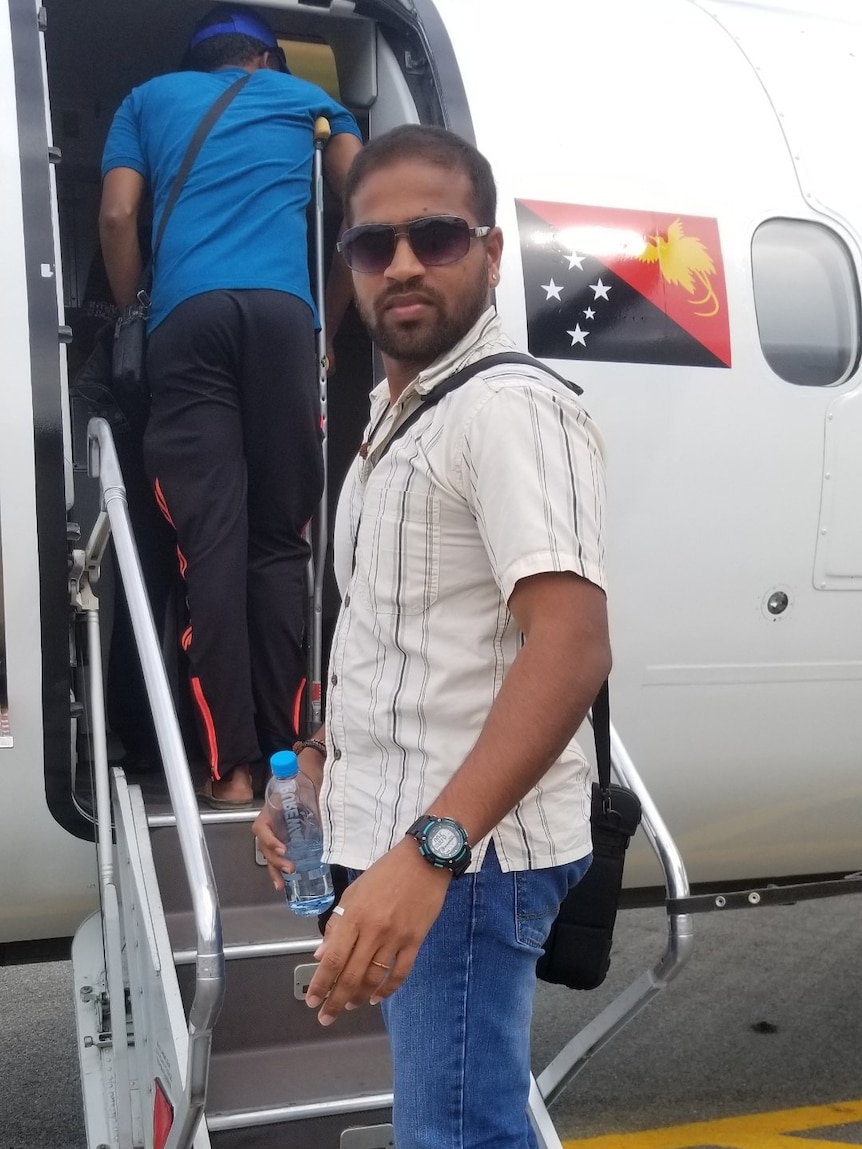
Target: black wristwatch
<point>443,842</point>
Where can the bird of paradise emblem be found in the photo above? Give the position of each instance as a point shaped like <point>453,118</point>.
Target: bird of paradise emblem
<point>685,261</point>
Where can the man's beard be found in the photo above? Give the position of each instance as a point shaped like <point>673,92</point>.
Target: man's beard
<point>421,343</point>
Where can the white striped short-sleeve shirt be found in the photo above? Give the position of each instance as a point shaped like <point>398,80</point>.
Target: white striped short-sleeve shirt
<point>501,479</point>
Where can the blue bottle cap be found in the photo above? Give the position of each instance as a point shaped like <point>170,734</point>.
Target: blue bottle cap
<point>284,764</point>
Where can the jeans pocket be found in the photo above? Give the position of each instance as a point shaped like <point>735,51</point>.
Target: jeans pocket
<point>538,897</point>
<point>538,894</point>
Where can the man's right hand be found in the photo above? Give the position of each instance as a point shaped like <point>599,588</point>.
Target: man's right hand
<point>271,848</point>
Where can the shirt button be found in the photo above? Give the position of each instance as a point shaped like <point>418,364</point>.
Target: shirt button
<point>336,754</point>
<point>347,600</point>
<point>334,680</point>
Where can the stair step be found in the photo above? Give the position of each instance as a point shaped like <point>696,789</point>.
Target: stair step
<point>261,1010</point>
<point>240,879</point>
<point>370,1129</point>
<point>366,1129</point>
<point>248,931</point>
<point>275,1084</point>
<point>160,815</point>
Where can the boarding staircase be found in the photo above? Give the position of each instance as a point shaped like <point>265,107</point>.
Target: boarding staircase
<point>190,982</point>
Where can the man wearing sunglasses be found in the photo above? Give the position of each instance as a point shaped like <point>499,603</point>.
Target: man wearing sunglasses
<point>232,445</point>
<point>471,642</point>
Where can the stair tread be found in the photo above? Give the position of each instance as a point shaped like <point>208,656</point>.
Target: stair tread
<point>241,881</point>
<point>261,1009</point>
<point>299,1074</point>
<point>161,813</point>
<point>249,925</point>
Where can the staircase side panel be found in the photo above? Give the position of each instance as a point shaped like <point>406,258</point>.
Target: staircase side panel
<point>160,1025</point>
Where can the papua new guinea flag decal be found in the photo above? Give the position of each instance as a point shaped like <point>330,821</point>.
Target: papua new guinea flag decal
<point>623,286</point>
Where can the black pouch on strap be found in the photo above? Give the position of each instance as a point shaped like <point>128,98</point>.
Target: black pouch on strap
<point>578,948</point>
<point>128,372</point>
<point>130,337</point>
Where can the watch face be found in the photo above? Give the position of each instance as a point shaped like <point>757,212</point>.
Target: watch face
<point>444,841</point>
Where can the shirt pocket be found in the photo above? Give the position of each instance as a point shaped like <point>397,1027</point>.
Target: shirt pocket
<point>399,553</point>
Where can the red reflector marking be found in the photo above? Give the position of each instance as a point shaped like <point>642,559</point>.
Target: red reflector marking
<point>297,706</point>
<point>209,725</point>
<point>163,1116</point>
<point>315,692</point>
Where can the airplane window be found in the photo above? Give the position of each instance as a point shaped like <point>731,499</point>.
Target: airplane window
<point>806,297</point>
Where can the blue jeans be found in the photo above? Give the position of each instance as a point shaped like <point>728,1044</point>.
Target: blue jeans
<point>459,1026</point>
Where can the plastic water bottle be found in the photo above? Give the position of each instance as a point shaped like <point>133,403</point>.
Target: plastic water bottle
<point>292,806</point>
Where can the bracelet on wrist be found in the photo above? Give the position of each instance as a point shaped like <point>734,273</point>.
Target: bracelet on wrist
<point>310,744</point>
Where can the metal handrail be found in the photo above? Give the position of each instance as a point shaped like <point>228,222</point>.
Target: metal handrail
<point>210,962</point>
<point>320,534</point>
<point>658,835</point>
<point>680,942</point>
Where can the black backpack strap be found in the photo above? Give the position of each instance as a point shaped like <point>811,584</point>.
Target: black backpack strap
<point>602,736</point>
<point>512,357</point>
<point>460,378</point>
<point>196,143</point>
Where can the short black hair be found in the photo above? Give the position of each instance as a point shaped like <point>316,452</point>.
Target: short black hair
<point>222,51</point>
<point>433,145</point>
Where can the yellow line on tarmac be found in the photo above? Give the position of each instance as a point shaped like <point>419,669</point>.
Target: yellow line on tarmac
<point>754,1131</point>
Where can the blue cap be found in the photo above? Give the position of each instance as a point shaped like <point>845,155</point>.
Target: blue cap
<point>284,764</point>
<point>235,21</point>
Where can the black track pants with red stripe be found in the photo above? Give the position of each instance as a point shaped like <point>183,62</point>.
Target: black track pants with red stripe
<point>233,450</point>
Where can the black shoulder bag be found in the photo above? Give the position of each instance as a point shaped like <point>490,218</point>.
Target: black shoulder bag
<point>578,948</point>
<point>127,361</point>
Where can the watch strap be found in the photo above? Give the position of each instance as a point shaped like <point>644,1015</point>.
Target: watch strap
<point>419,831</point>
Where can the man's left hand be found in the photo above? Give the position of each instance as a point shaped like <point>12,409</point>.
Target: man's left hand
<point>369,949</point>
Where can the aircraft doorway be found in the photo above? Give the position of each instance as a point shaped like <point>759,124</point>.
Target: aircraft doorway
<point>359,61</point>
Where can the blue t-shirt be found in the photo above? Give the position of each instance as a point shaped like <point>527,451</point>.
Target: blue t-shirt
<point>240,220</point>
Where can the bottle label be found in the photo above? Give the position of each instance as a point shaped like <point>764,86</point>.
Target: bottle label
<point>289,803</point>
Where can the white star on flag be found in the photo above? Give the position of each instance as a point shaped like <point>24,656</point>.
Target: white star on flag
<point>578,336</point>
<point>601,290</point>
<point>576,260</point>
<point>553,290</point>
<point>590,314</point>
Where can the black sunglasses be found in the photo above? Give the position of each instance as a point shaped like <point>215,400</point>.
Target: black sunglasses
<point>435,239</point>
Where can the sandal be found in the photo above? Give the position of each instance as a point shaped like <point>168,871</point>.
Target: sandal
<point>205,794</point>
